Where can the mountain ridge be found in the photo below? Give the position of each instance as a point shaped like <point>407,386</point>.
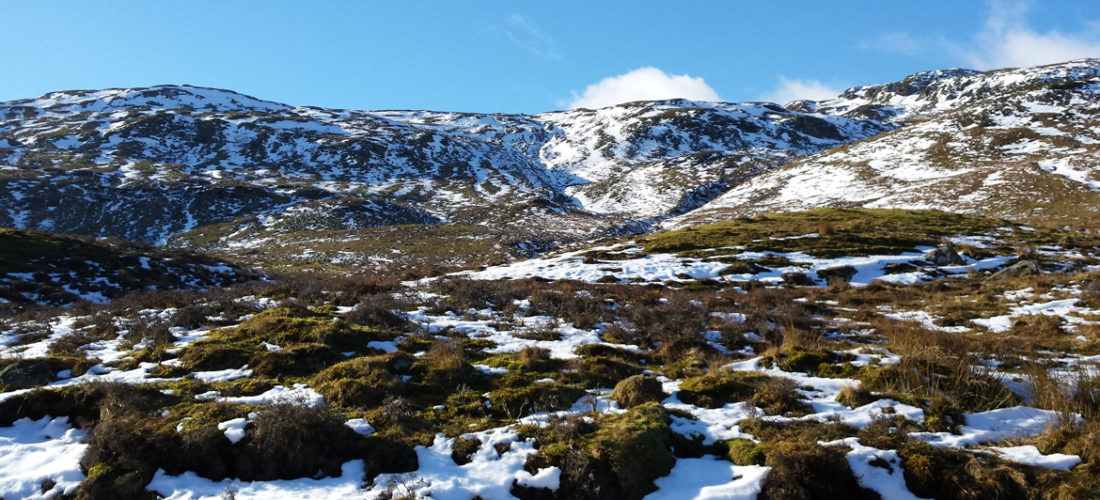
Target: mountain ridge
<point>1028,153</point>
<point>215,169</point>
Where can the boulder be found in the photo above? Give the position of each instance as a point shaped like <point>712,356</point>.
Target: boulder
<point>944,255</point>
<point>1019,269</point>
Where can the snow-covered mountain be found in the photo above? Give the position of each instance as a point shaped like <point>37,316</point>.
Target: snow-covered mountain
<point>203,167</point>
<point>1016,143</point>
<point>148,164</point>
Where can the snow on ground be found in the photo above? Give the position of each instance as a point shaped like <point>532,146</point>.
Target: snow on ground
<point>1073,169</point>
<point>189,486</point>
<point>655,268</point>
<point>505,340</point>
<point>360,426</point>
<point>222,375</point>
<point>234,429</point>
<point>571,266</point>
<point>1030,455</point>
<point>821,393</point>
<point>879,470</point>
<point>489,474</point>
<point>710,478</point>
<point>993,425</point>
<point>38,450</point>
<point>1071,310</point>
<point>712,424</point>
<point>59,327</point>
<point>925,320</point>
<point>300,394</point>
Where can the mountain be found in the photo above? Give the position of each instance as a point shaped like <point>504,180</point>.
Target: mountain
<point>214,170</point>
<point>1015,143</point>
<point>164,164</point>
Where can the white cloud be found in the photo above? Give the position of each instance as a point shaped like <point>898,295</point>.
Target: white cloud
<point>525,34</point>
<point>643,84</point>
<point>895,41</point>
<point>1006,41</point>
<point>793,90</point>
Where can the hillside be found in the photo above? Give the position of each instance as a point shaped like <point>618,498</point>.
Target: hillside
<point>1019,144</point>
<point>185,165</point>
<point>957,359</point>
<point>42,268</point>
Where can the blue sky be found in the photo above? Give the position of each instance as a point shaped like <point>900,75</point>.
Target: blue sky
<point>510,56</point>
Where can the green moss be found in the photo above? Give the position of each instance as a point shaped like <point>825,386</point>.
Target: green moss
<point>607,351</point>
<point>638,389</point>
<point>635,445</point>
<point>515,401</point>
<point>215,355</point>
<point>842,232</point>
<point>296,361</point>
<point>745,452</point>
<point>362,382</point>
<point>714,390</point>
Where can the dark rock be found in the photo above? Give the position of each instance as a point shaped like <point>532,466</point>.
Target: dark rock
<point>798,279</point>
<point>26,373</point>
<point>944,255</point>
<point>900,267</point>
<point>841,274</point>
<point>1019,269</point>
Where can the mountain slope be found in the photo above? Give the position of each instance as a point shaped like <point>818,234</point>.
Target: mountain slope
<point>1023,145</point>
<point>149,164</point>
<point>216,170</point>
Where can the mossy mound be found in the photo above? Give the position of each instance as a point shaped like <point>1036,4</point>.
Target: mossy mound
<point>795,358</point>
<point>618,457</point>
<point>714,390</point>
<point>363,382</point>
<point>517,400</point>
<point>636,390</point>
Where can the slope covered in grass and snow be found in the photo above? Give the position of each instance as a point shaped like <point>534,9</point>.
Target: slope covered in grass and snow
<point>712,362</point>
<point>1018,144</point>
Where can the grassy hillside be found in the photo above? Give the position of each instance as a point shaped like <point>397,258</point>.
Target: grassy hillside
<point>538,386</point>
<point>55,269</point>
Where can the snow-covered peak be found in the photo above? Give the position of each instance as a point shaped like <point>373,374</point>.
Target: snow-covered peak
<point>921,95</point>
<point>157,97</point>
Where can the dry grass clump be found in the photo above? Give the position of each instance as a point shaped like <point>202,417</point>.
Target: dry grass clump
<point>937,367</point>
<point>855,396</point>
<point>153,332</point>
<point>379,310</point>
